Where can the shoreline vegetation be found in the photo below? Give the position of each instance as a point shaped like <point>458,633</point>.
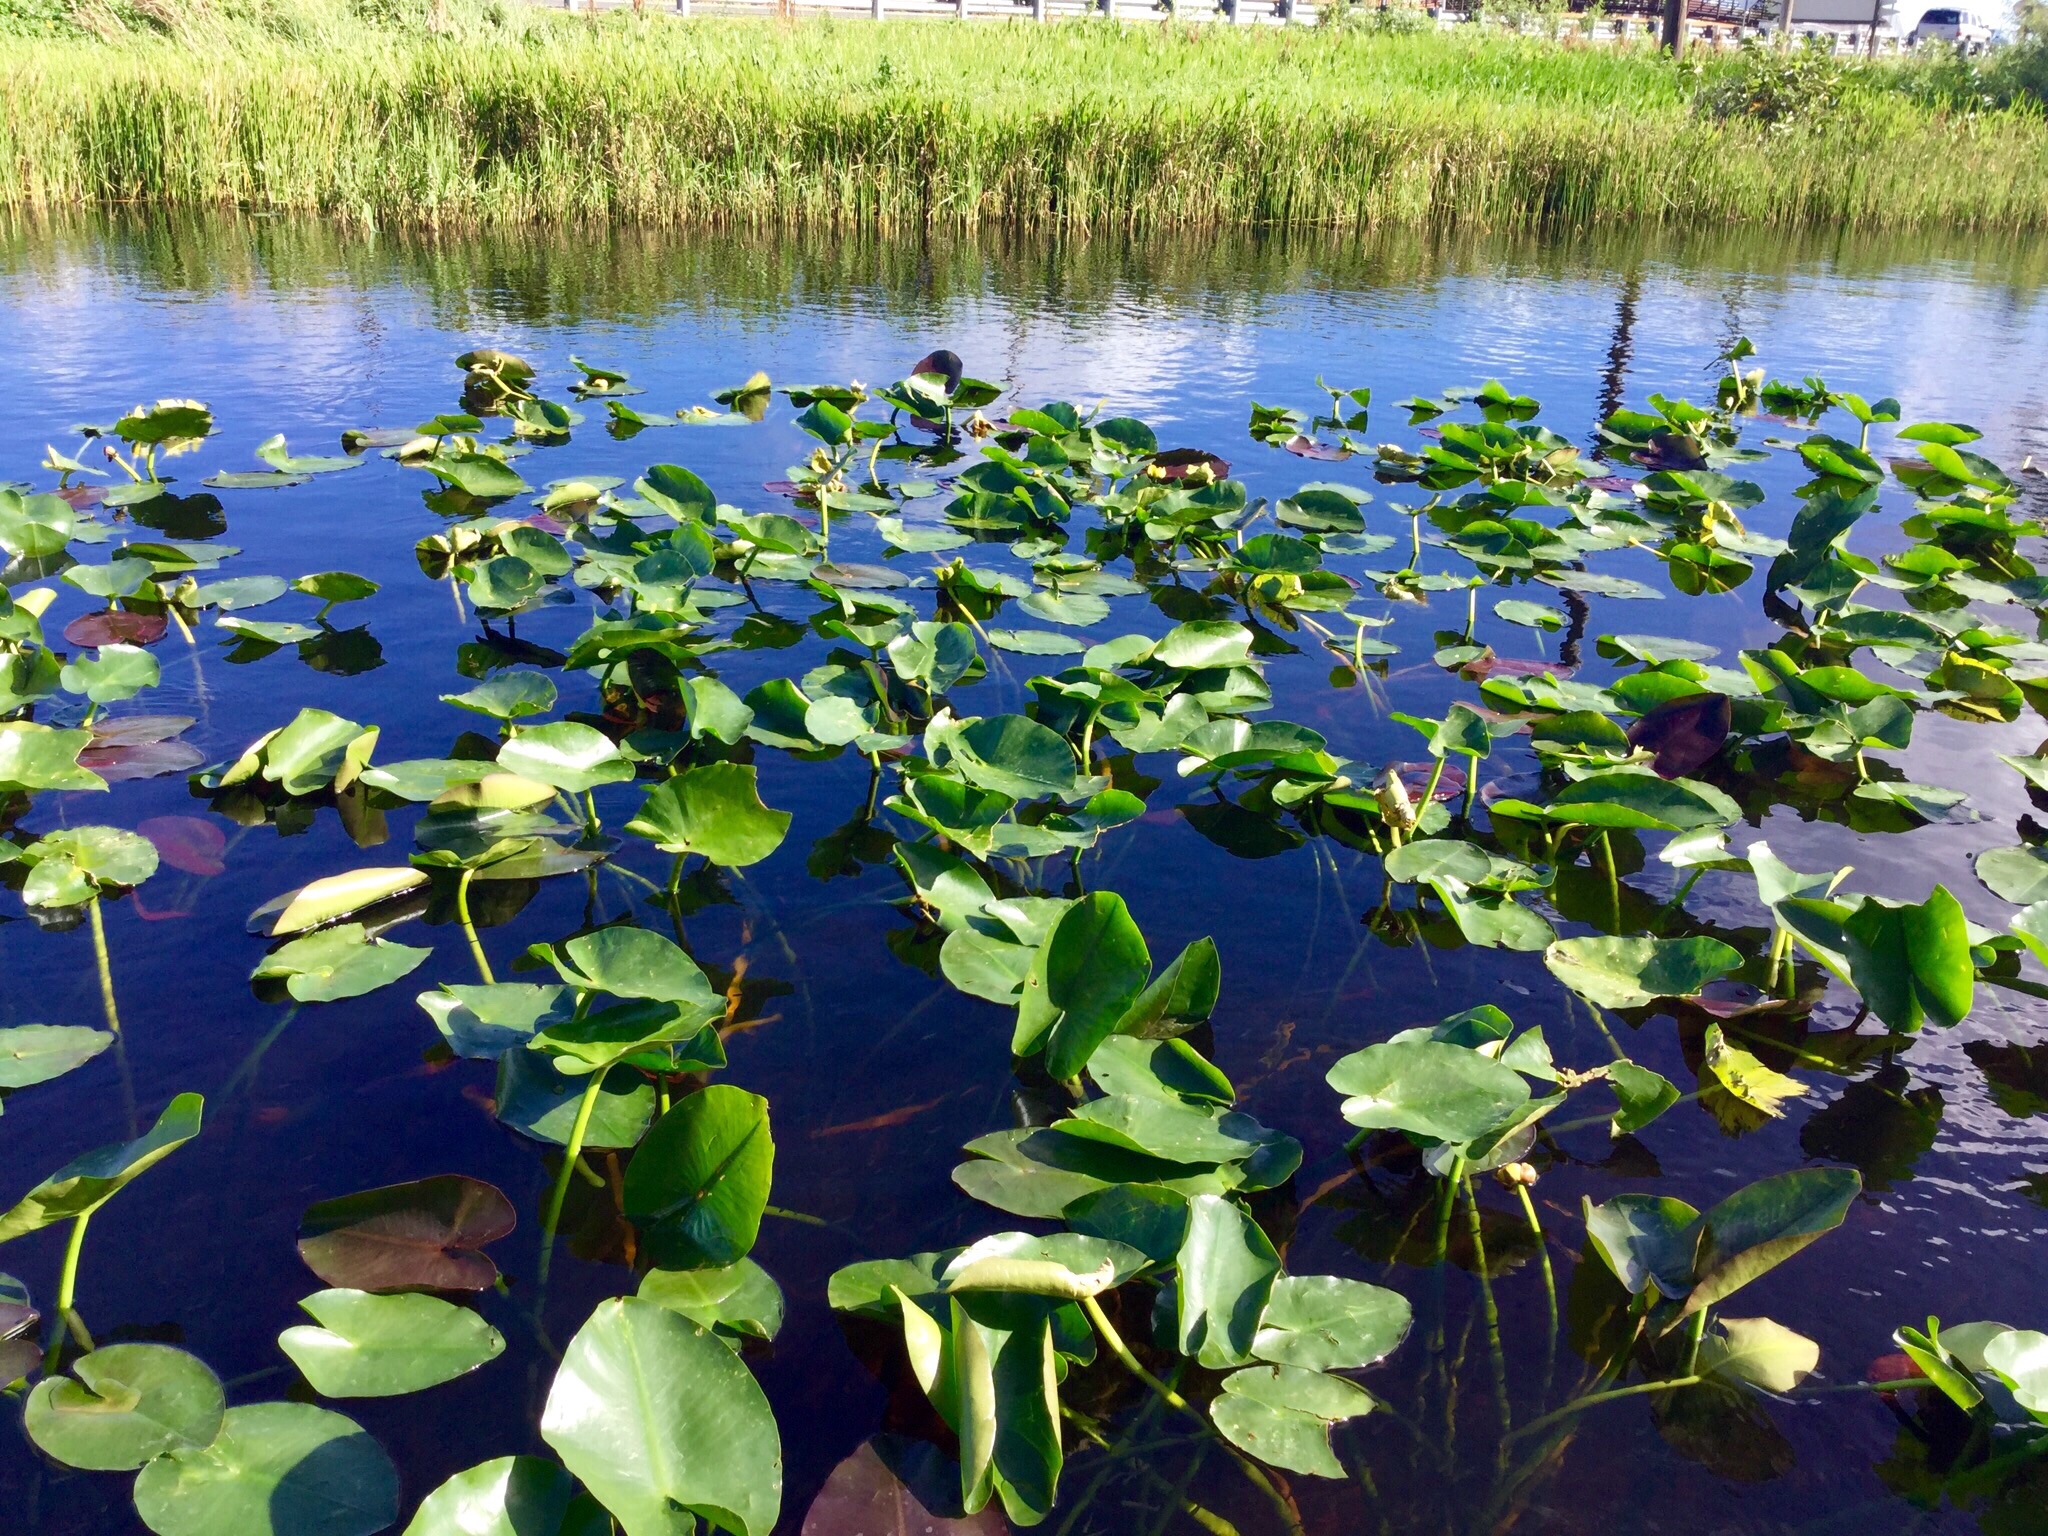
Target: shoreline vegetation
<point>511,115</point>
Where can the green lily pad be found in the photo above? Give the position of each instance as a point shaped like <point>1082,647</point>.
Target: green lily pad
<point>338,962</point>
<point>129,1404</point>
<point>713,809</point>
<point>699,1183</point>
<point>1635,972</point>
<point>276,1469</point>
<point>662,1422</point>
<point>385,1346</point>
<point>1427,1088</point>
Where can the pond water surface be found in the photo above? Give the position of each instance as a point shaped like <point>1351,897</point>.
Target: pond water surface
<point>876,1069</point>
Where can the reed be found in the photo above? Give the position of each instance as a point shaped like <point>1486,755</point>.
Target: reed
<point>1077,127</point>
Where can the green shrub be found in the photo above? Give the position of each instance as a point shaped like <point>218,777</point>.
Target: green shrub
<point>1775,88</point>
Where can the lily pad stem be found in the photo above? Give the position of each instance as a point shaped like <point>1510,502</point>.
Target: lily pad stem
<point>1492,1308</point>
<point>1693,1335</point>
<point>1429,795</point>
<point>1595,1399</point>
<point>804,1217</point>
<point>570,1154</point>
<point>67,1281</point>
<point>476,947</point>
<point>1471,785</point>
<point>1613,879</point>
<point>1549,1284</point>
<point>1130,1362</point>
<point>99,955</point>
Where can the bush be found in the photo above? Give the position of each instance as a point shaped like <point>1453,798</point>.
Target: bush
<point>1945,77</point>
<point>1777,90</point>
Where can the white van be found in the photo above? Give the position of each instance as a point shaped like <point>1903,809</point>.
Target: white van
<point>1966,29</point>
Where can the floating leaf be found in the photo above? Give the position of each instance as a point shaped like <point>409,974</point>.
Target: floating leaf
<point>130,1404</point>
<point>425,1235</point>
<point>713,809</point>
<point>386,1346</point>
<point>511,1496</point>
<point>276,1469</point>
<point>1427,1088</point>
<point>1757,1352</point>
<point>1323,1323</point>
<point>1745,1077</point>
<point>1283,1416</point>
<point>657,1417</point>
<point>566,754</point>
<point>40,757</point>
<point>1226,1268</point>
<point>117,627</point>
<point>337,963</point>
<point>86,1183</point>
<point>1635,972</point>
<point>863,1497</point>
<point>699,1183</point>
<point>36,1053</point>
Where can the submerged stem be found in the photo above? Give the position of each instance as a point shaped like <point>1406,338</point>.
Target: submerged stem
<point>1493,1344</point>
<point>571,1156</point>
<point>1130,1362</point>
<point>1549,1286</point>
<point>1595,1399</point>
<point>106,969</point>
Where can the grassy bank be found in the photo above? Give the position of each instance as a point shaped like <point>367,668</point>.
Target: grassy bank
<point>536,116</point>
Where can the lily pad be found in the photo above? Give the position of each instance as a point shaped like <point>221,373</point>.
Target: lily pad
<point>129,1404</point>
<point>1635,972</point>
<point>276,1469</point>
<point>661,1421</point>
<point>699,1183</point>
<point>386,1346</point>
<point>427,1234</point>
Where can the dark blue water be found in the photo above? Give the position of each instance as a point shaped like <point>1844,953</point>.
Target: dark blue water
<point>876,1070</point>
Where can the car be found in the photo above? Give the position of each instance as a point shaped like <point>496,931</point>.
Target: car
<point>1966,29</point>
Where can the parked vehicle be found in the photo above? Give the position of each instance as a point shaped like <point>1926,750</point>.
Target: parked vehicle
<point>1966,29</point>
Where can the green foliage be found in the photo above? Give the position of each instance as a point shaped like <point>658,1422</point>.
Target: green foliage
<point>1346,127</point>
<point>1776,89</point>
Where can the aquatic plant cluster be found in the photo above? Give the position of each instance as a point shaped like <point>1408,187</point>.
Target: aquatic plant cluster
<point>907,126</point>
<point>1146,1318</point>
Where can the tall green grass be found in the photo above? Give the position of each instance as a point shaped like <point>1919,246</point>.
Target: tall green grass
<point>1080,126</point>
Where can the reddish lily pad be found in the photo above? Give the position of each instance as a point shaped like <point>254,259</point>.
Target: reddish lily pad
<point>139,730</point>
<point>189,843</point>
<point>144,760</point>
<point>1415,778</point>
<point>425,1235</point>
<point>1490,665</point>
<point>1685,734</point>
<point>863,1497</point>
<point>1308,448</point>
<point>116,626</point>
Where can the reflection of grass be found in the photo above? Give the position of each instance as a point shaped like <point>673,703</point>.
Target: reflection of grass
<point>1072,125</point>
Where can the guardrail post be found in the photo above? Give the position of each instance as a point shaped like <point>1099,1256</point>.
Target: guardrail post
<point>1038,10</point>
<point>682,7</point>
<point>1109,10</point>
<point>960,9</point>
<point>876,8</point>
